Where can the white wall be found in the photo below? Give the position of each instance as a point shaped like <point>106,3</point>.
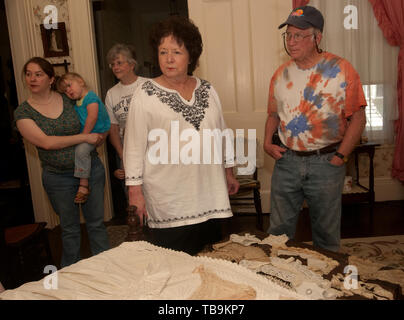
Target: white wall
<point>242,49</point>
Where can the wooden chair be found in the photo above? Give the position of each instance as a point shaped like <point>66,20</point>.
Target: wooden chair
<point>27,253</point>
<point>249,193</point>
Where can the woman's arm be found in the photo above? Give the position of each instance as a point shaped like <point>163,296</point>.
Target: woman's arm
<point>232,184</point>
<point>32,133</point>
<point>134,154</point>
<point>115,139</point>
<point>136,198</point>
<point>135,141</point>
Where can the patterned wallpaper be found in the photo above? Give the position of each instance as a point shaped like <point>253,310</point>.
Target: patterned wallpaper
<point>63,16</point>
<point>383,162</point>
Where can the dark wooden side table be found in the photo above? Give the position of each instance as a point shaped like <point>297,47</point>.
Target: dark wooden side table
<point>360,193</point>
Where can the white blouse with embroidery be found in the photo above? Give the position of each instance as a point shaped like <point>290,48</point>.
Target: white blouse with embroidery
<point>169,150</point>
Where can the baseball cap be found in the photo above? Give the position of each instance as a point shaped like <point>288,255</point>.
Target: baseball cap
<point>305,17</point>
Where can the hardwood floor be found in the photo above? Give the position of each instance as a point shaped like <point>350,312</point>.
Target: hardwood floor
<point>356,222</point>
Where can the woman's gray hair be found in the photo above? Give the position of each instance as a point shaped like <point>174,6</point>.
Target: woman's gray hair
<point>127,50</point>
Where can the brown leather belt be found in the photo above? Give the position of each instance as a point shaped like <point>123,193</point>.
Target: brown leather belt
<point>328,149</point>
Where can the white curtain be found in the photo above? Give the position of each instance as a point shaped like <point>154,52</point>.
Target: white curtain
<point>370,54</point>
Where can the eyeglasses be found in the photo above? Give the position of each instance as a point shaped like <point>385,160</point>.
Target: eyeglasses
<point>117,64</point>
<point>297,36</point>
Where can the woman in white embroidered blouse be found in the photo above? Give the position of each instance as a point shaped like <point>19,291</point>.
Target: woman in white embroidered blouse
<point>175,173</point>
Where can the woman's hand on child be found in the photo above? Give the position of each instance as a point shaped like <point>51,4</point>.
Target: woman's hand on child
<point>95,138</point>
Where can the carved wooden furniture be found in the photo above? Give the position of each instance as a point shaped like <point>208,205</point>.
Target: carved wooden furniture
<point>27,252</point>
<point>249,192</point>
<point>359,192</point>
<point>135,232</point>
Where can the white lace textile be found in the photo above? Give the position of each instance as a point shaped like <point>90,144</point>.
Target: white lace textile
<point>245,240</point>
<point>140,270</point>
<point>315,261</point>
<point>276,241</point>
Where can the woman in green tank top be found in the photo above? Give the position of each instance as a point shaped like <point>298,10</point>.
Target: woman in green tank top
<point>48,121</point>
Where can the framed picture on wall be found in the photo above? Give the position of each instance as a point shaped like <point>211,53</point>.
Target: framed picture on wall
<point>61,68</point>
<point>55,41</point>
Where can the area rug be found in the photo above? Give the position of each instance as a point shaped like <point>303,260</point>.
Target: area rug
<point>117,234</point>
<point>385,253</point>
<point>388,251</point>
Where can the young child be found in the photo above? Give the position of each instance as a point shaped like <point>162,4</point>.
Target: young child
<point>93,118</point>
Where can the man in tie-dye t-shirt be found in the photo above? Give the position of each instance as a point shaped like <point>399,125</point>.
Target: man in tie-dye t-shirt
<point>317,107</point>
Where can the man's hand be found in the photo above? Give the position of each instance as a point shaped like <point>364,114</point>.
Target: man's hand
<point>119,174</point>
<point>271,126</point>
<point>274,151</point>
<point>336,161</point>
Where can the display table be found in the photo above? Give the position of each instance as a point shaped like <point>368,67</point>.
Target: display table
<point>316,273</point>
<point>244,267</point>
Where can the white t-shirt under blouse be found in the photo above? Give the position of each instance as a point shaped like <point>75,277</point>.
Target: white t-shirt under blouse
<point>118,100</point>
<point>176,193</point>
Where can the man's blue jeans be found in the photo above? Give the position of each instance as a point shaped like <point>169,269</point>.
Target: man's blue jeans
<point>61,189</point>
<point>315,179</point>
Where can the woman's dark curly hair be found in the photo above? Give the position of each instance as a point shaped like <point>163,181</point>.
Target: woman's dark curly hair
<point>184,31</point>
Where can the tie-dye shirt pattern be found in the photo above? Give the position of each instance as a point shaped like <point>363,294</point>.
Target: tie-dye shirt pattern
<point>313,104</point>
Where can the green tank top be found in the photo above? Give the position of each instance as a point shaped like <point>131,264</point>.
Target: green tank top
<point>66,124</point>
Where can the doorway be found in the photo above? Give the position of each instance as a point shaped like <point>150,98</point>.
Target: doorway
<point>129,22</point>
<point>15,196</point>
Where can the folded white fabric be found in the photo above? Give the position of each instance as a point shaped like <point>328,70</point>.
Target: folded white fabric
<point>245,240</point>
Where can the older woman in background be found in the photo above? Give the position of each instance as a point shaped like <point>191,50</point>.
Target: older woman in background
<point>122,61</point>
<point>182,202</point>
<point>48,121</point>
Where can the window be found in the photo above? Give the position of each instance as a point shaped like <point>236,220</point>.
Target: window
<point>374,110</point>
<point>365,47</point>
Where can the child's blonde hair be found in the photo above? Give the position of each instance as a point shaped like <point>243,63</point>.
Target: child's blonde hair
<point>61,82</point>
